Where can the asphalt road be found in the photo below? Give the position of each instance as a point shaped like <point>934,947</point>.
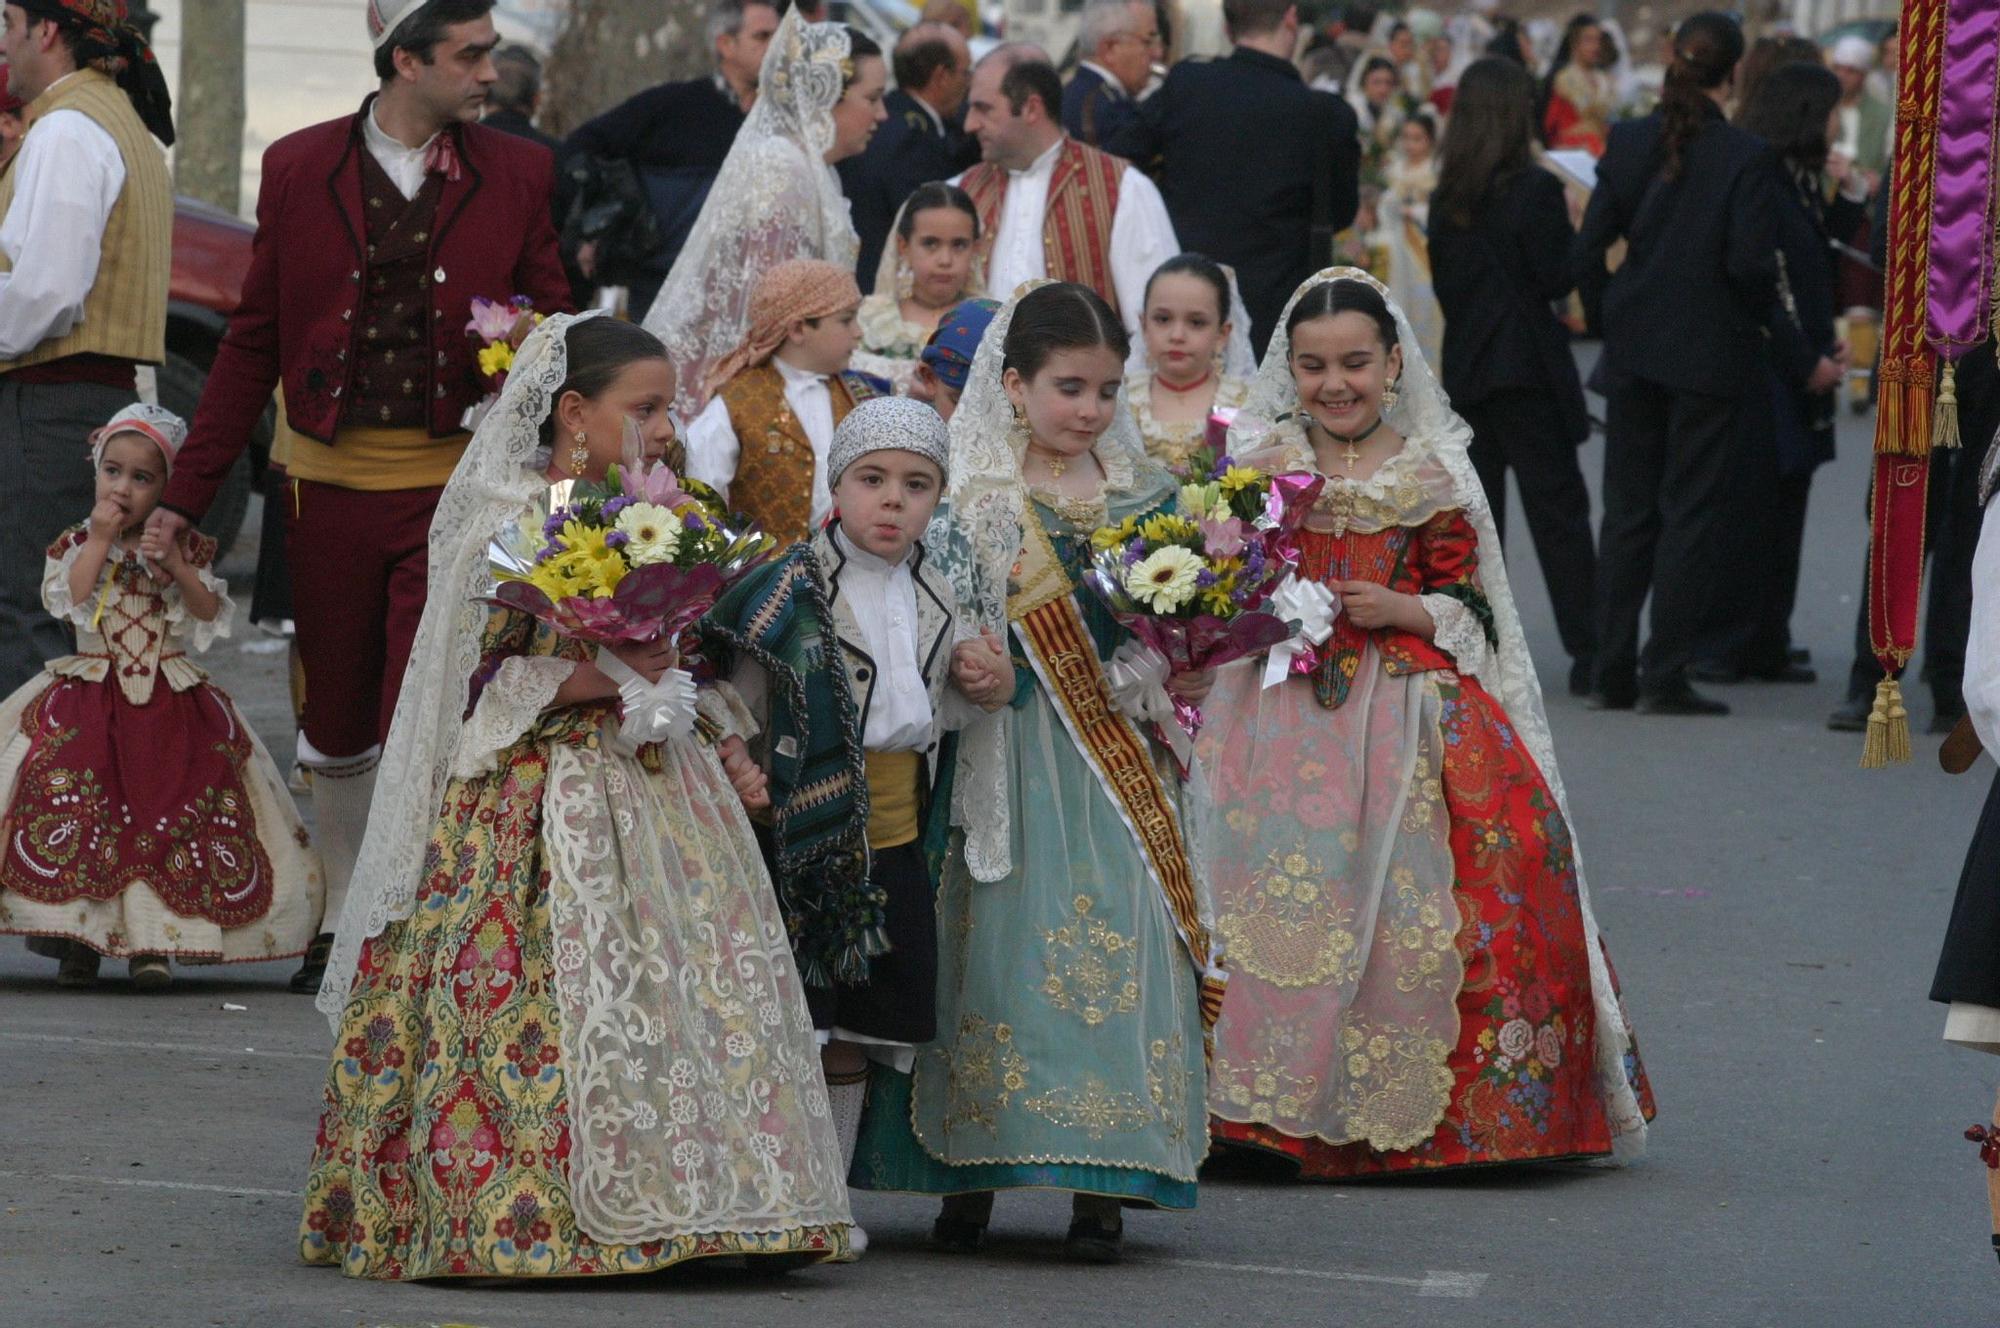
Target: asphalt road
<point>1773,910</point>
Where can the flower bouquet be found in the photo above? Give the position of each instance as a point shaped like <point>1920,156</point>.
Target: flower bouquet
<point>638,557</point>
<point>1193,584</point>
<point>499,327</point>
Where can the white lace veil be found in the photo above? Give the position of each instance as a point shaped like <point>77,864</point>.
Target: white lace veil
<point>1239,361</point>
<point>1423,412</point>
<point>889,268</point>
<point>979,532</point>
<point>502,472</point>
<point>775,199</point>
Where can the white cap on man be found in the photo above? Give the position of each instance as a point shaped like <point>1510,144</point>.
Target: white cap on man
<point>385,16</point>
<point>1853,52</point>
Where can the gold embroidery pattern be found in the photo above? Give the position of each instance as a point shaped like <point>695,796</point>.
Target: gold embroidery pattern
<point>1169,1081</point>
<point>1289,933</point>
<point>1266,1090</point>
<point>1093,971</point>
<point>1096,1110</point>
<point>984,1071</point>
<point>1398,1085</point>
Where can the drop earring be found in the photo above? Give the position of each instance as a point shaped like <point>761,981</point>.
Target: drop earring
<point>1390,396</point>
<point>579,453</point>
<point>906,281</point>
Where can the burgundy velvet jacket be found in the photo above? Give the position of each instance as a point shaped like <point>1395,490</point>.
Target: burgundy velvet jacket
<point>298,319</point>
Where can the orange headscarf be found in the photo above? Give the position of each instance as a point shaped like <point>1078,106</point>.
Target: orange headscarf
<point>802,288</point>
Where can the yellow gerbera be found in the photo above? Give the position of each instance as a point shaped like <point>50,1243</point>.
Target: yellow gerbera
<point>595,565</point>
<point>1110,537</point>
<point>1238,478</point>
<point>1165,529</point>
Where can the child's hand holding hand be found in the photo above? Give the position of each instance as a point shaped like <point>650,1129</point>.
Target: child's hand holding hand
<point>161,549</point>
<point>982,672</point>
<point>752,785</point>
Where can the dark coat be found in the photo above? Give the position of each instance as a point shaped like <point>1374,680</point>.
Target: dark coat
<point>1802,324</point>
<point>295,323</point>
<point>908,150</point>
<point>1094,109</point>
<point>669,127</point>
<point>1239,144</point>
<point>1689,306</point>
<point>520,126</point>
<point>1495,283</point>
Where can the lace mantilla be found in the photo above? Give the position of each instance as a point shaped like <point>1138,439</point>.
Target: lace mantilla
<point>1424,417</point>
<point>775,199</point>
<point>497,480</point>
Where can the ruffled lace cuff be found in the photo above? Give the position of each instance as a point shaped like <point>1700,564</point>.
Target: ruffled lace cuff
<point>55,589</point>
<point>1458,632</point>
<point>195,634</point>
<point>722,706</point>
<point>521,689</point>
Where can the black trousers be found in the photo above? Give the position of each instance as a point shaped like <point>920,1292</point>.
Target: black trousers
<point>1669,468</point>
<point>1753,630</point>
<point>1515,430</point>
<point>899,1002</point>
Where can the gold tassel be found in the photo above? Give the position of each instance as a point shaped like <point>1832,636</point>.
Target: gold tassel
<point>1888,728</point>
<point>1944,423</point>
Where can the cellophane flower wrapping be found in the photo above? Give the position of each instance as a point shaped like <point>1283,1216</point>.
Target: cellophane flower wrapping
<point>1193,582</point>
<point>637,557</point>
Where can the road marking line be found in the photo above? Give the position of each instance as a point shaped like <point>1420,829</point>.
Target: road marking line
<point>1457,1286</point>
<point>220,1053</point>
<point>133,1182</point>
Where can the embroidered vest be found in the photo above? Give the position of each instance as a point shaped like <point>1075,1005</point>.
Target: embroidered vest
<point>391,378</point>
<point>1076,227</point>
<point>125,314</point>
<point>774,458</point>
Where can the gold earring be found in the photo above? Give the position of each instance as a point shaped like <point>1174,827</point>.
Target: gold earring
<point>906,281</point>
<point>1389,398</point>
<point>579,454</point>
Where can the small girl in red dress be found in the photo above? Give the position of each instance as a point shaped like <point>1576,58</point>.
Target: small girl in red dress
<point>143,818</point>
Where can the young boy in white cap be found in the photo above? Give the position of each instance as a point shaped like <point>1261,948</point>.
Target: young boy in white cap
<point>858,758</point>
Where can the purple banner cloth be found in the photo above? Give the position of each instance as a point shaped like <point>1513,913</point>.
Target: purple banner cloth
<point>1958,288</point>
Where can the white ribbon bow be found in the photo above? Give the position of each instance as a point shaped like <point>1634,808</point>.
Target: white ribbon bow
<point>1314,608</point>
<point>654,711</point>
<point>1137,676</point>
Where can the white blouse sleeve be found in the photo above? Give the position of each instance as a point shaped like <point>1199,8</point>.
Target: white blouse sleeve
<point>712,447</point>
<point>193,633</point>
<point>521,689</point>
<point>56,598</point>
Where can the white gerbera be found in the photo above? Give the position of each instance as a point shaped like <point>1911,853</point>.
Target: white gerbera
<point>652,533</point>
<point>1164,579</point>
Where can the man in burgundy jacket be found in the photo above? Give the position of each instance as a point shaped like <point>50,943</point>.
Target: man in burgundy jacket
<point>374,233</point>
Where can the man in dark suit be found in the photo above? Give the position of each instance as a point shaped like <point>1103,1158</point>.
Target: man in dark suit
<point>917,144</point>
<point>1258,170</point>
<point>1119,40</point>
<point>1685,357</point>
<point>510,106</point>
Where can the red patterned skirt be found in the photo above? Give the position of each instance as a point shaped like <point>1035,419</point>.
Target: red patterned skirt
<point>1520,1090</point>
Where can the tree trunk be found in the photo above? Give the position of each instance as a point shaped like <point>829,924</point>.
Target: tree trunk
<point>208,113</point>
<point>609,49</point>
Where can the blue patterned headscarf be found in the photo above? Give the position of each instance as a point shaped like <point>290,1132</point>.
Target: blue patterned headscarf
<point>950,350</point>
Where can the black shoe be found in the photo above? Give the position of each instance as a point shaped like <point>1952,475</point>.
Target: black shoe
<point>961,1223</point>
<point>1610,701</point>
<point>1788,672</point>
<point>1712,671</point>
<point>1799,655</point>
<point>1852,717</point>
<point>1681,700</point>
<point>306,981</point>
<point>1580,672</point>
<point>1093,1240</point>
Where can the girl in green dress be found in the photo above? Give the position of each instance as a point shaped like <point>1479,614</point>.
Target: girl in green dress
<point>1074,958</point>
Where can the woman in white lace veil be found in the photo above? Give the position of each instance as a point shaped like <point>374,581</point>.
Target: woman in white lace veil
<point>1417,979</point>
<point>554,861</point>
<point>777,197</point>
<point>1084,988</point>
<point>1193,356</point>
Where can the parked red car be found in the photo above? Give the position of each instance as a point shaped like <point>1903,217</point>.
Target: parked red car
<point>211,256</point>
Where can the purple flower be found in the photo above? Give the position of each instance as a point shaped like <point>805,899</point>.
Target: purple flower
<point>616,539</point>
<point>1134,554</point>
<point>616,505</point>
<point>1204,578</point>
<point>692,521</point>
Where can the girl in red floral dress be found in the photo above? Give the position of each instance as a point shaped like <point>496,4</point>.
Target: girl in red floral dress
<point>144,819</point>
<point>1416,980</point>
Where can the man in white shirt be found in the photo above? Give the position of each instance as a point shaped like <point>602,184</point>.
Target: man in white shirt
<point>86,225</point>
<point>1056,207</point>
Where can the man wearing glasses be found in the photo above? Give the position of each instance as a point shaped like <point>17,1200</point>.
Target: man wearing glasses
<point>1119,40</point>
